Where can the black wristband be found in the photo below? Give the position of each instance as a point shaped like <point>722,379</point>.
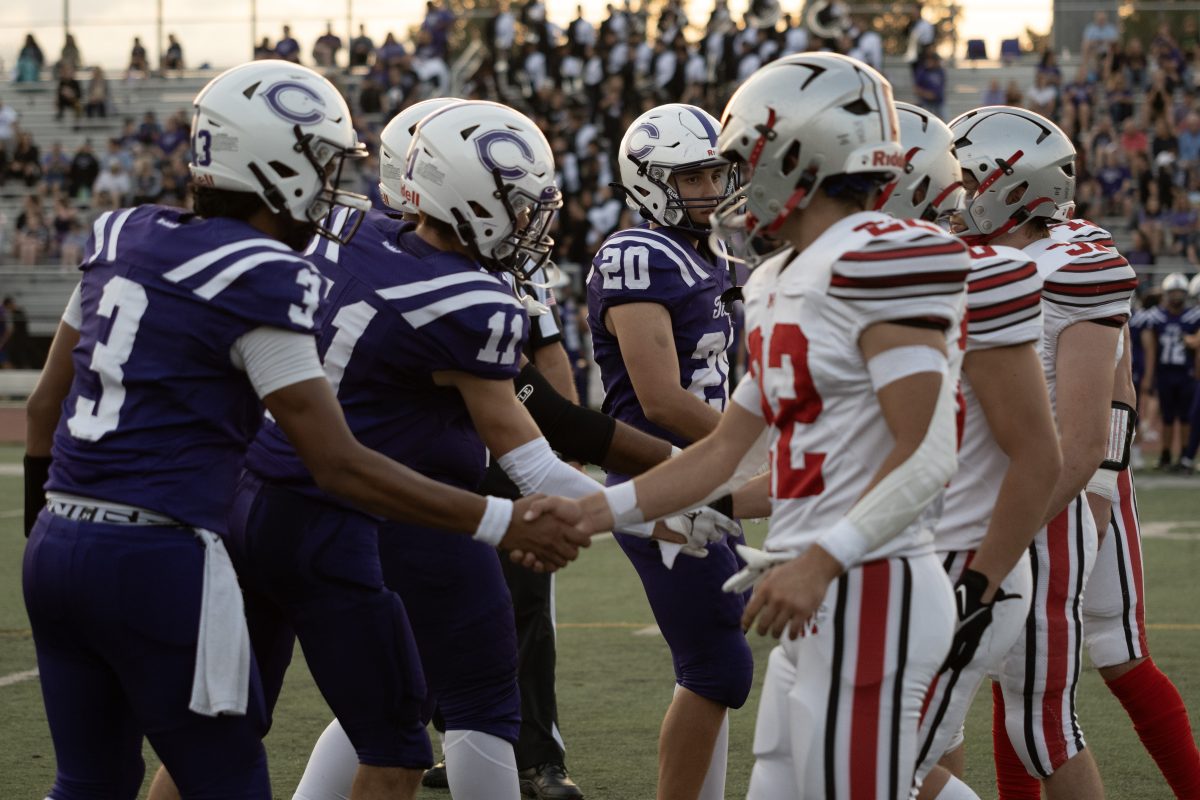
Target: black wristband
<point>37,472</point>
<point>578,433</point>
<point>723,505</point>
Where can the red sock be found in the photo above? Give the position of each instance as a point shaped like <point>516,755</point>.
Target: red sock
<point>1013,781</point>
<point>1161,722</point>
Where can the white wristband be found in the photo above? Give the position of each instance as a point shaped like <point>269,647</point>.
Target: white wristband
<point>845,542</point>
<point>1104,484</point>
<point>494,523</point>
<point>622,502</point>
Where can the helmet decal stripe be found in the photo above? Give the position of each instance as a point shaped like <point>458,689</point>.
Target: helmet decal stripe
<point>709,130</point>
<point>998,171</point>
<point>764,133</point>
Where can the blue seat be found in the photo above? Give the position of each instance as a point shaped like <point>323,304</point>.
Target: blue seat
<point>1010,50</point>
<point>976,50</point>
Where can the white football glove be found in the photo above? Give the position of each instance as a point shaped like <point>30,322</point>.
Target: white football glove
<point>757,564</point>
<point>701,527</point>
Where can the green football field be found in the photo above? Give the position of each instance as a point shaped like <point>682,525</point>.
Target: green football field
<point>615,678</point>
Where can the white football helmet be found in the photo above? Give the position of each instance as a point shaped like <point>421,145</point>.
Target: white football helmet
<point>794,124</point>
<point>1194,287</point>
<point>393,147</point>
<point>663,142</point>
<point>1024,165</point>
<point>488,172</point>
<point>1175,282</point>
<point>931,186</point>
<point>280,131</point>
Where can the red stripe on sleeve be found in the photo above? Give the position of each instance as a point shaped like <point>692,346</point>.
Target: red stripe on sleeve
<point>986,313</point>
<point>946,249</point>
<point>1003,279</point>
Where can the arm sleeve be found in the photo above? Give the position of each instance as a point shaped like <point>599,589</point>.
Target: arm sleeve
<point>580,434</point>
<point>73,314</point>
<point>1004,299</point>
<point>274,359</point>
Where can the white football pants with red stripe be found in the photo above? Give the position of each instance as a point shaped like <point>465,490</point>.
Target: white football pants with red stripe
<point>1114,611</point>
<point>950,697</point>
<point>1040,675</point>
<point>841,705</point>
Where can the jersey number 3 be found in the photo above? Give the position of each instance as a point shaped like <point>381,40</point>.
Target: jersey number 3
<point>94,418</point>
<point>788,386</point>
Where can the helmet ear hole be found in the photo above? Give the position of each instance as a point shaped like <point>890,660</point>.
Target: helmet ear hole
<point>479,211</point>
<point>1016,193</point>
<point>791,159</point>
<point>282,170</point>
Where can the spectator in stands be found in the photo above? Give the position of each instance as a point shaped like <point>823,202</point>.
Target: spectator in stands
<point>97,94</point>
<point>264,50</point>
<point>8,125</point>
<point>1042,97</point>
<point>1116,183</point>
<point>70,250</point>
<point>138,65</point>
<point>32,242</point>
<point>370,96</point>
<point>868,44</point>
<point>362,49</point>
<point>1077,102</point>
<point>70,94</point>
<point>929,83</point>
<point>55,167</point>
<point>1013,96</point>
<point>114,182</point>
<point>146,185</point>
<point>326,48</point>
<point>26,162</point>
<point>30,61</point>
<point>1164,140</point>
<point>501,32</point>
<point>1099,38</point>
<point>1133,137</point>
<point>391,52</point>
<point>439,20</point>
<point>1181,226</point>
<point>175,138</point>
<point>921,38</point>
<point>83,171</point>
<point>581,34</point>
<point>64,215</point>
<point>1189,141</point>
<point>6,332</point>
<point>149,132</point>
<point>173,58</point>
<point>1139,252</point>
<point>69,58</point>
<point>288,49</point>
<point>1120,99</point>
<point>176,178</point>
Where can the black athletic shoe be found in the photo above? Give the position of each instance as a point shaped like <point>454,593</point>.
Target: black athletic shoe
<point>549,782</point>
<point>435,777</point>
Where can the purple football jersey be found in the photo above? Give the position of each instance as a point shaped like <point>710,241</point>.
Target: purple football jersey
<point>640,265</point>
<point>158,415</point>
<point>398,311</point>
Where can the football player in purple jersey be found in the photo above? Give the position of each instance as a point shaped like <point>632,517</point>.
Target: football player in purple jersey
<point>186,325</point>
<point>660,329</point>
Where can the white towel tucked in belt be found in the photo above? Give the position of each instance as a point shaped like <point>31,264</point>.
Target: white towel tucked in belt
<point>221,684</point>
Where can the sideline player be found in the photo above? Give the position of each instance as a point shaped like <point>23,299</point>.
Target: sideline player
<point>660,329</point>
<point>420,337</point>
<point>1170,365</point>
<point>1018,172</point>
<point>849,328</point>
<point>185,322</point>
<point>1008,456</point>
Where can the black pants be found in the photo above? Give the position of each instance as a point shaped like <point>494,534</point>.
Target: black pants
<point>532,594</point>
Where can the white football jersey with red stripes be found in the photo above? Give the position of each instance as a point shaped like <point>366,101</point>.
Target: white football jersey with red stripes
<point>1004,294</point>
<point>1081,230</point>
<point>1082,282</point>
<point>808,379</point>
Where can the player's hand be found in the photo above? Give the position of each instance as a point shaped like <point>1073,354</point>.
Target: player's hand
<point>757,564</point>
<point>974,617</point>
<point>551,540</point>
<point>790,594</point>
<point>589,515</point>
<point>699,528</point>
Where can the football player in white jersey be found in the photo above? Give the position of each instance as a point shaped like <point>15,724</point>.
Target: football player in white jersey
<point>1018,172</point>
<point>849,329</point>
<point>1114,608</point>
<point>1008,456</point>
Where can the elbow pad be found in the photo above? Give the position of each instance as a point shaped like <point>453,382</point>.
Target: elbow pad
<point>578,433</point>
<point>898,499</point>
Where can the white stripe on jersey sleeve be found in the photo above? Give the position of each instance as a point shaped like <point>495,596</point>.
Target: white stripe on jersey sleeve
<point>221,281</point>
<point>205,260</point>
<point>433,284</point>
<point>423,316</point>
<point>332,249</point>
<point>115,233</point>
<point>98,234</point>
<point>686,263</point>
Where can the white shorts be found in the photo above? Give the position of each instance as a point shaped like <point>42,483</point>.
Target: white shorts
<point>950,696</point>
<point>1039,676</point>
<point>1114,611</point>
<point>841,705</point>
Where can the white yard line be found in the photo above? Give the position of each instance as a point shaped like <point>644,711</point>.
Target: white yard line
<point>11,470</point>
<point>18,677</point>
